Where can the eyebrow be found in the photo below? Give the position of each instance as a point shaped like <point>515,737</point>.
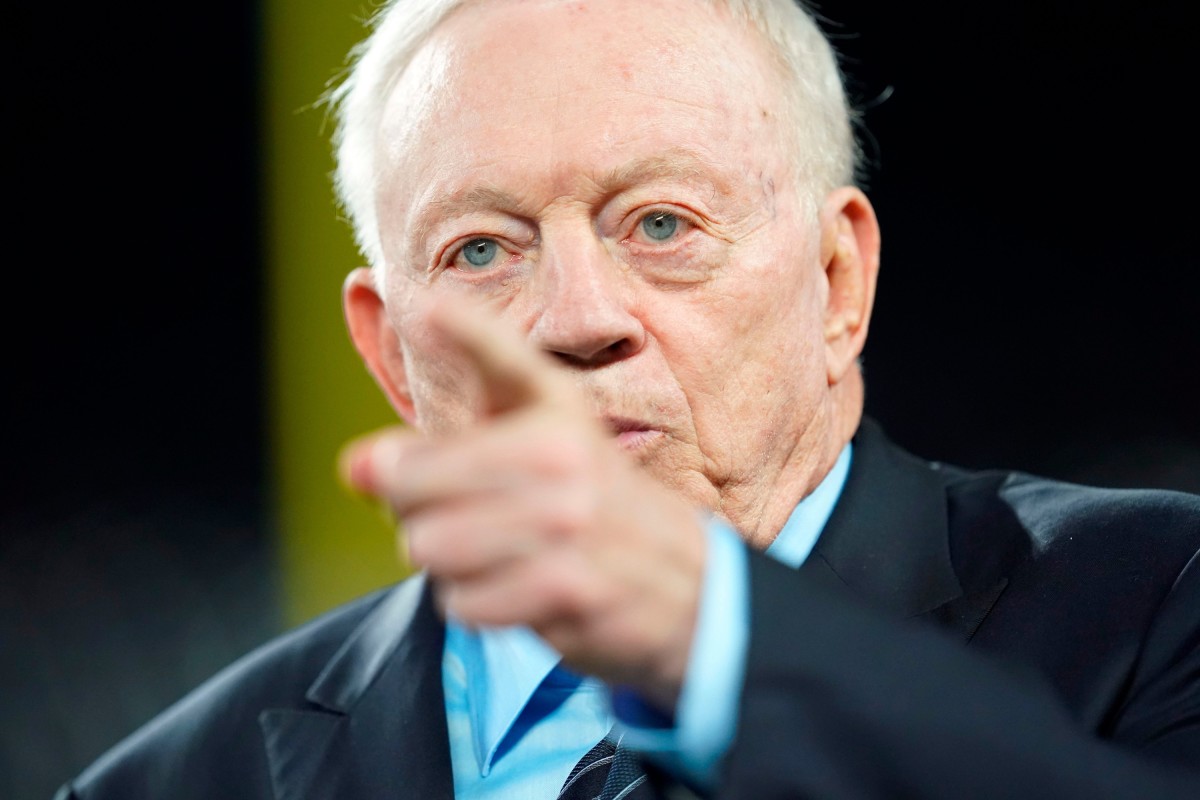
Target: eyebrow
<point>479,198</point>
<point>675,164</point>
<point>459,204</point>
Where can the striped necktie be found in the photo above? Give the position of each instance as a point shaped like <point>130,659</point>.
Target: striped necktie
<point>607,772</point>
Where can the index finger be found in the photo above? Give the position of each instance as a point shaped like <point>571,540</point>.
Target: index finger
<point>514,375</point>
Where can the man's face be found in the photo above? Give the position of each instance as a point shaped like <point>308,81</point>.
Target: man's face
<point>612,179</point>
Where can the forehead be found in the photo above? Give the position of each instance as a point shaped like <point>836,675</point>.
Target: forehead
<point>547,85</point>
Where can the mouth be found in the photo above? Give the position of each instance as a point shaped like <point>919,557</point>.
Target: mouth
<point>631,434</point>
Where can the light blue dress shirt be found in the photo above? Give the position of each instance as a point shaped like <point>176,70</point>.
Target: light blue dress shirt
<point>518,722</point>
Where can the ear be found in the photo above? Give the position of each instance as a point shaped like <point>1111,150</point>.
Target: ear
<point>376,340</point>
<point>850,258</point>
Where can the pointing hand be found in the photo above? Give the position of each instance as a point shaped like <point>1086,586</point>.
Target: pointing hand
<point>535,516</point>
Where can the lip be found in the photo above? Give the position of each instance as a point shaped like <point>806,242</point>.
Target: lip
<point>631,434</point>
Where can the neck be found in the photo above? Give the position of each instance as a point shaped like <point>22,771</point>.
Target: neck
<point>810,461</point>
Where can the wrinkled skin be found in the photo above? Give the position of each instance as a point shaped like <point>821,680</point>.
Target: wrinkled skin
<point>606,304</point>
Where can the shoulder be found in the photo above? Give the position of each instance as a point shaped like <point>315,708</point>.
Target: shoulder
<point>1099,582</point>
<point>1054,521</point>
<point>1052,535</point>
<point>177,753</point>
<point>1050,508</point>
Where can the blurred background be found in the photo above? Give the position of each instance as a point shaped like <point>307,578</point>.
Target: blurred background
<point>177,380</point>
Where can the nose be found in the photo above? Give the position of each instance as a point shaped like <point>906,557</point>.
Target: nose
<point>583,319</point>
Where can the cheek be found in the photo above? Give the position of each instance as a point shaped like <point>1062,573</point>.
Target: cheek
<point>747,350</point>
<point>761,319</point>
<point>782,358</point>
<point>445,391</point>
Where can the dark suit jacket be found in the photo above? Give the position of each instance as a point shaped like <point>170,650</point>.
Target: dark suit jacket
<point>954,634</point>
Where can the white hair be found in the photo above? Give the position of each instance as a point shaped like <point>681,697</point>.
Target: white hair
<point>822,119</point>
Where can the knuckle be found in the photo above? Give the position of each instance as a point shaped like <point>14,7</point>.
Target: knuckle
<point>572,514</point>
<point>563,589</point>
<point>560,456</point>
<point>560,602</point>
<point>418,537</point>
<point>434,541</point>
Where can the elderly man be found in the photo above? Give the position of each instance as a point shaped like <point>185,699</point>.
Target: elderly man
<point>619,281</point>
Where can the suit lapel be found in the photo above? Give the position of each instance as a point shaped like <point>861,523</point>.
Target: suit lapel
<point>887,539</point>
<point>378,726</point>
<point>891,536</point>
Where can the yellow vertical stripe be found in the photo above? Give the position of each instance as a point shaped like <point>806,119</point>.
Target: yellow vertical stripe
<point>332,546</point>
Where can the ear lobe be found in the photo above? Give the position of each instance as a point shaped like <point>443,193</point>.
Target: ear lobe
<point>850,244</point>
<point>376,340</point>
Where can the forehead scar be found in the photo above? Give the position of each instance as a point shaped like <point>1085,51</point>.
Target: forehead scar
<point>768,188</point>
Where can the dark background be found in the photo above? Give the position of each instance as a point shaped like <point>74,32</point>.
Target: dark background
<point>1031,165</point>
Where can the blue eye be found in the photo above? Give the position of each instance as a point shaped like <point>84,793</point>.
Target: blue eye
<point>480,252</point>
<point>660,226</point>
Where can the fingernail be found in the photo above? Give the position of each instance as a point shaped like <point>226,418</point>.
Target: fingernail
<point>355,467</point>
<point>362,472</point>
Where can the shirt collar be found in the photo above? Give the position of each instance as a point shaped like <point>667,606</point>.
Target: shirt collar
<point>505,666</point>
<point>800,533</point>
